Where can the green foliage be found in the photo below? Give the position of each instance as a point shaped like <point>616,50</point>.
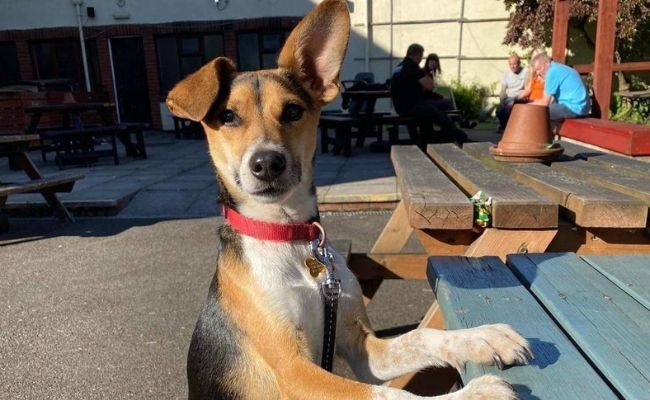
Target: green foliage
<point>470,98</point>
<point>531,22</point>
<point>627,109</point>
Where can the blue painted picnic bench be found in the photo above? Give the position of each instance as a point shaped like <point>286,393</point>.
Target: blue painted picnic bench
<point>587,319</point>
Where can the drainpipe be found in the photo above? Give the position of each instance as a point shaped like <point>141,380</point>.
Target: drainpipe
<point>84,59</point>
<point>368,37</point>
<point>460,38</point>
<point>390,64</point>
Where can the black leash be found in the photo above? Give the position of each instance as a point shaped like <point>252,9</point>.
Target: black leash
<point>331,292</point>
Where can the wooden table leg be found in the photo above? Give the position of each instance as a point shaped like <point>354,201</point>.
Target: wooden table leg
<point>371,269</point>
<point>395,234</point>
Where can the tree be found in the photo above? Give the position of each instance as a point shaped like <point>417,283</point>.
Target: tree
<point>531,23</point>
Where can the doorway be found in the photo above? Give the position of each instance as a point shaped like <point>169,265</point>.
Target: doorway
<point>130,79</point>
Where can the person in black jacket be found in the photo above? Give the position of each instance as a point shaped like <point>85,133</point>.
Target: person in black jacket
<point>410,90</point>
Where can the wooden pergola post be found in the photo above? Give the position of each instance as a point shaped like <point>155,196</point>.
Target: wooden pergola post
<point>603,65</point>
<point>604,56</point>
<point>560,30</point>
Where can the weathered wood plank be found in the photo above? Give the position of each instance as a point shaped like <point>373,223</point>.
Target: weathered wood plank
<point>618,179</point>
<point>608,159</point>
<point>514,205</point>
<point>611,328</point>
<point>631,273</point>
<point>432,201</point>
<point>582,202</point>
<point>477,291</point>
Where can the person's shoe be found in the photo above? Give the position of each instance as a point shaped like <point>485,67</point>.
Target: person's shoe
<point>468,124</point>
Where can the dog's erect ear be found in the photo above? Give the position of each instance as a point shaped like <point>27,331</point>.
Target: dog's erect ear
<point>192,97</point>
<point>316,47</point>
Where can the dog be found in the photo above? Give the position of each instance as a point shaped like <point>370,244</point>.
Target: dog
<point>261,332</point>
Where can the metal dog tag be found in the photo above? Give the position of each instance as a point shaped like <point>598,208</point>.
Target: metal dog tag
<point>315,266</point>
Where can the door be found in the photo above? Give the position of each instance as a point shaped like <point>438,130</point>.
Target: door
<point>130,79</point>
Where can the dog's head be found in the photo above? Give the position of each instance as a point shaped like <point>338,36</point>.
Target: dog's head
<point>261,126</point>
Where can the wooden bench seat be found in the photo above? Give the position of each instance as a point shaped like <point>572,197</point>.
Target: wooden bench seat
<point>629,139</point>
<point>477,291</point>
<point>46,186</point>
<point>53,184</point>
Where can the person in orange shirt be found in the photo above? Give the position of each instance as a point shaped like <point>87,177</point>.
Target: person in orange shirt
<point>534,89</point>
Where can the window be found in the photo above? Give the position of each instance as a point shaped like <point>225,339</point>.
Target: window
<point>57,59</point>
<point>182,55</point>
<point>257,50</point>
<point>9,68</point>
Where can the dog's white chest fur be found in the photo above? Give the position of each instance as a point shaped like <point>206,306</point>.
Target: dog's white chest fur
<point>287,284</point>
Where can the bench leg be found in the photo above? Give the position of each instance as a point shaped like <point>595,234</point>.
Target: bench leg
<point>324,140</point>
<point>116,159</point>
<point>139,138</point>
<point>343,140</point>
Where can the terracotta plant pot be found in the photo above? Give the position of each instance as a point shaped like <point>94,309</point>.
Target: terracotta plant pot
<point>528,137</point>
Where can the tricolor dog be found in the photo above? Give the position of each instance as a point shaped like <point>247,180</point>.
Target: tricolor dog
<point>282,301</point>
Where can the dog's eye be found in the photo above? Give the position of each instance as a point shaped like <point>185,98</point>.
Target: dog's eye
<point>227,117</point>
<point>292,113</point>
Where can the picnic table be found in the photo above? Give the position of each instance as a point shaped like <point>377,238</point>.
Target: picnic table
<point>586,202</point>
<point>14,147</point>
<point>74,140</point>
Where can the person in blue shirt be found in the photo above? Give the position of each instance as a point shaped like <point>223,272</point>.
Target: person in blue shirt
<point>563,85</point>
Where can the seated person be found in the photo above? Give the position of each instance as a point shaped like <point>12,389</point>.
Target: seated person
<point>432,69</point>
<point>534,89</point>
<point>564,85</point>
<point>512,85</point>
<point>410,90</point>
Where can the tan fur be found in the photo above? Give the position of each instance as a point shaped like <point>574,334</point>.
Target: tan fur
<point>266,304</point>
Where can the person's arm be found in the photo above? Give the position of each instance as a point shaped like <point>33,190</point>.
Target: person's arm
<point>545,100</point>
<point>528,87</point>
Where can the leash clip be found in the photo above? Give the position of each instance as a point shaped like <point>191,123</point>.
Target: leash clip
<point>331,288</point>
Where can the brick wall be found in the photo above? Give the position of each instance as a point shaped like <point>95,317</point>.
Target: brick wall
<point>148,33</point>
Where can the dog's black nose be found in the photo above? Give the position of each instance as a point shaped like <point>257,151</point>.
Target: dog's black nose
<point>267,165</point>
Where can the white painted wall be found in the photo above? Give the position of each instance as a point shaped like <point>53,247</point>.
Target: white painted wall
<point>391,26</point>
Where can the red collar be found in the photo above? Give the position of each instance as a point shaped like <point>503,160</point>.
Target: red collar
<point>269,230</point>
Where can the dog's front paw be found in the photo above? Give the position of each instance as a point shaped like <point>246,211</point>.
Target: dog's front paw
<point>486,387</point>
<point>496,344</point>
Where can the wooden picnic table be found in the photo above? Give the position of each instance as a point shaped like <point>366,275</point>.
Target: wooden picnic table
<point>586,202</point>
<point>593,206</point>
<point>74,140</point>
<point>14,147</point>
